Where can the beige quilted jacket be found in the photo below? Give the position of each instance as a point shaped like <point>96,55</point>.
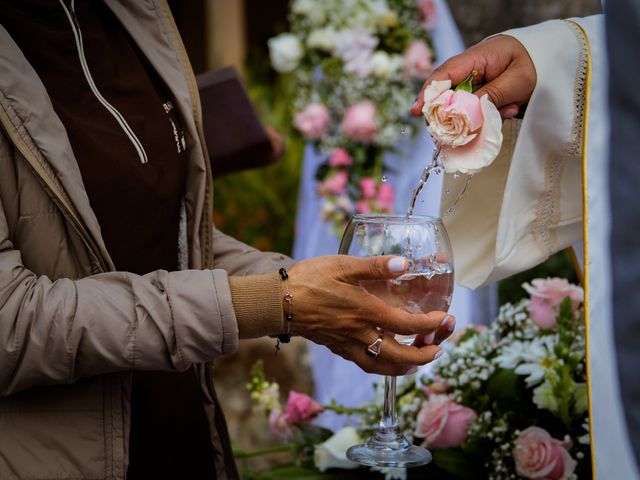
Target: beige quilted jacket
<point>71,328</point>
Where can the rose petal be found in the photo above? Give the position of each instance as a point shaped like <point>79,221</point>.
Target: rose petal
<point>433,91</point>
<point>483,150</point>
<point>468,104</point>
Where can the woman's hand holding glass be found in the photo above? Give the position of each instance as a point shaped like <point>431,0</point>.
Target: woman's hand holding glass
<point>332,308</point>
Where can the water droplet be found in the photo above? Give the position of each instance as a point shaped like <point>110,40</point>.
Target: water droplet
<point>456,175</point>
<point>384,179</point>
<point>438,170</point>
<point>403,131</point>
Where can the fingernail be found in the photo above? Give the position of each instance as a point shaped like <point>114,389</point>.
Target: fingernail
<point>438,355</point>
<point>451,325</point>
<point>445,320</point>
<point>411,371</point>
<point>397,264</point>
<point>428,339</point>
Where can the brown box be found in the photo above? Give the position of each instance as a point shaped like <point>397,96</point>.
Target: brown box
<point>235,136</point>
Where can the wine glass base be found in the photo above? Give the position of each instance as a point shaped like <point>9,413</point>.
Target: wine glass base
<point>412,456</point>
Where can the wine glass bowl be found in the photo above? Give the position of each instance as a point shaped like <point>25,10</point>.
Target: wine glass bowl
<point>427,285</point>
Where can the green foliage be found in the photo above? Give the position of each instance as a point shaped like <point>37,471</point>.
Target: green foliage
<point>258,207</point>
<point>295,472</point>
<point>455,462</point>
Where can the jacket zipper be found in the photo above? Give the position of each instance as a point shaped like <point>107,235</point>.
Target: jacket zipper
<point>77,34</point>
<point>58,195</point>
<point>205,233</point>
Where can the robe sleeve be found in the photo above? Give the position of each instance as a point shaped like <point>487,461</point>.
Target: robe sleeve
<point>527,205</point>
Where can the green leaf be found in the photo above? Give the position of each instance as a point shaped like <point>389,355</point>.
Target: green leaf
<point>301,473</point>
<point>456,462</point>
<point>467,83</point>
<point>313,434</point>
<point>503,386</point>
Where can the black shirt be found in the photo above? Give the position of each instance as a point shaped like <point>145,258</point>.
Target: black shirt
<point>137,204</point>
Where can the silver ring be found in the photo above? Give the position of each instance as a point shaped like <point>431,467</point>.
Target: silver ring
<point>373,350</point>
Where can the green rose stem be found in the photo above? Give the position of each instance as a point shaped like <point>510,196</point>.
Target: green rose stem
<point>467,84</point>
<point>289,447</point>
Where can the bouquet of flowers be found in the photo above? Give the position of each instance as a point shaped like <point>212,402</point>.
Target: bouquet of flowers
<point>355,67</point>
<point>508,401</point>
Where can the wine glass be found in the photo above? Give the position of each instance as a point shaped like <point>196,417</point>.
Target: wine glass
<point>427,285</point>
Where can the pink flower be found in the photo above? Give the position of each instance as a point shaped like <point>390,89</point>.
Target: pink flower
<point>468,128</point>
<point>546,297</point>
<point>279,424</point>
<point>363,206</point>
<point>429,14</point>
<point>340,158</point>
<point>443,423</point>
<point>301,408</point>
<point>368,187</point>
<point>417,60</point>
<point>538,455</point>
<point>359,122</point>
<point>384,198</point>
<point>313,121</point>
<point>335,183</point>
<point>437,385</point>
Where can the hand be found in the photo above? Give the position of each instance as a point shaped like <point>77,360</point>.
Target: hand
<point>330,308</point>
<point>503,65</point>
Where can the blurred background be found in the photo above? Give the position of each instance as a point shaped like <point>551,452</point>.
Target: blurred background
<point>259,206</point>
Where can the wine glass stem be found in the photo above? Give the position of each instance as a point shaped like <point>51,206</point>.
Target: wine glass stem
<point>389,420</point>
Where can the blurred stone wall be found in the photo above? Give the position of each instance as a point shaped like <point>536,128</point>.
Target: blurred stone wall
<point>477,19</point>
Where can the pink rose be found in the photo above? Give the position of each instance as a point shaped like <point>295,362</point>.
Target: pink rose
<point>335,183</point>
<point>340,158</point>
<point>468,128</point>
<point>429,16</point>
<point>301,408</point>
<point>538,455</point>
<point>368,187</point>
<point>363,206</point>
<point>443,423</point>
<point>313,121</point>
<point>417,60</point>
<point>359,122</point>
<point>546,297</point>
<point>384,197</point>
<point>279,424</point>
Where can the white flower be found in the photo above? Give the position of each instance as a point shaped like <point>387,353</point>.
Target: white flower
<point>385,17</point>
<point>285,50</point>
<point>544,397</point>
<point>355,48</point>
<point>312,9</point>
<point>384,65</point>
<point>333,452</point>
<point>322,39</point>
<point>532,358</point>
<point>304,7</point>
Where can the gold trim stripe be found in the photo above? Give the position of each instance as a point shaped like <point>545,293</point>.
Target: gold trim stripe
<point>585,235</point>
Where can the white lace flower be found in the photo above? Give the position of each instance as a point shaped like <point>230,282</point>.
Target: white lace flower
<point>355,48</point>
<point>544,397</point>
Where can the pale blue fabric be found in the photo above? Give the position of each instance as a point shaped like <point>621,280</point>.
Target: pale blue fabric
<point>334,377</point>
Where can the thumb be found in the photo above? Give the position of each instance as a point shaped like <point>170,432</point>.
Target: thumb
<point>373,268</point>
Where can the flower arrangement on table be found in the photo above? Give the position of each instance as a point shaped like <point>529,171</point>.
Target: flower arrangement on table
<point>507,401</point>
<point>355,67</point>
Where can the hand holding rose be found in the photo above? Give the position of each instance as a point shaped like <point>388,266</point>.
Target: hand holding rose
<point>503,66</point>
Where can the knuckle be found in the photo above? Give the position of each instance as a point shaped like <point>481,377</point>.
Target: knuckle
<point>495,94</point>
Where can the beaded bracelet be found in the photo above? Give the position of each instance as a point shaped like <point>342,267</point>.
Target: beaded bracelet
<point>288,298</point>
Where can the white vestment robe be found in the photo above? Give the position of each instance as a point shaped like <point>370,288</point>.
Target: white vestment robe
<point>547,190</point>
